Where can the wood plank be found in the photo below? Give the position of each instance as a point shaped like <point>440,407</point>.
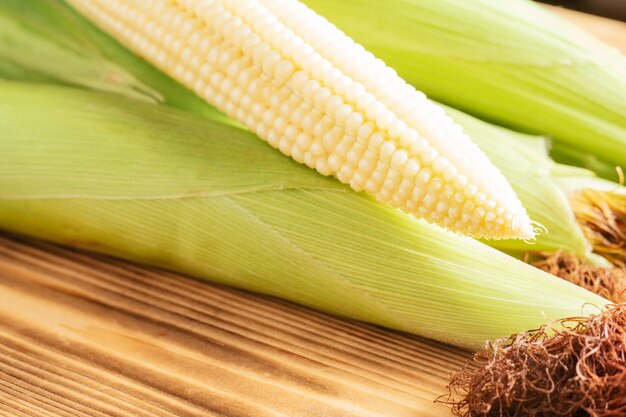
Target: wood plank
<point>87,335</point>
<point>609,31</point>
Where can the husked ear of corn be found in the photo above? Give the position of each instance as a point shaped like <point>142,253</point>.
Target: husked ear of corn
<point>166,187</point>
<point>323,100</point>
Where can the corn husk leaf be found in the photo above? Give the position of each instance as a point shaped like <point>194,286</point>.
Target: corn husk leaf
<point>173,189</point>
<point>508,61</point>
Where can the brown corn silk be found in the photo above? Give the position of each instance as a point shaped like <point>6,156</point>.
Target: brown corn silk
<point>574,367</point>
<point>602,216</point>
<point>607,282</point>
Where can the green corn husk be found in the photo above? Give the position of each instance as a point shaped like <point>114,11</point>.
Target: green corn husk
<point>170,188</point>
<point>507,61</point>
<point>522,158</point>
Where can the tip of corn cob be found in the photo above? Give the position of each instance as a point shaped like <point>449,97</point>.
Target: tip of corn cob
<point>310,91</point>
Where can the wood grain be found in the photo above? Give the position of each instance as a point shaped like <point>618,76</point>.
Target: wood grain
<point>87,335</point>
<point>609,31</point>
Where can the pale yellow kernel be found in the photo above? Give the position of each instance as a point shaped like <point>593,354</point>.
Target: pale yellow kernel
<point>419,145</point>
<point>405,188</point>
<point>367,103</point>
<point>379,173</point>
<point>331,76</point>
<point>354,91</point>
<point>226,86</point>
<point>250,121</point>
<point>285,146</point>
<point>399,159</point>
<point>300,54</point>
<point>447,192</point>
<point>342,113</point>
<point>374,109</point>
<point>317,149</point>
<point>341,84</point>
<point>412,168</point>
<point>261,130</point>
<point>383,195</point>
<point>199,86</point>
<point>365,131</point>
<point>332,104</point>
<point>310,61</point>
<point>329,140</point>
<point>397,128</point>
<point>297,155</point>
<point>441,207</point>
<point>321,97</point>
<point>429,155</point>
<point>268,117</point>
<point>230,108</point>
<point>322,167</point>
<point>366,166</point>
<point>424,177</point>
<point>397,200</point>
<point>267,91</point>
<point>334,162</point>
<point>259,52</point>
<point>320,69</point>
<point>371,186</point>
<point>280,125</point>
<point>469,206</point>
<point>386,150</point>
<point>429,201</point>
<point>460,181</point>
<point>273,138</point>
<point>435,184</point>
<point>376,141</point>
<point>246,103</point>
<point>310,120</point>
<point>353,122</point>
<point>195,63</point>
<point>257,110</point>
<point>179,70</point>
<point>270,62</point>
<point>358,182</point>
<point>309,88</point>
<point>440,164</point>
<point>355,154</point>
<point>345,173</point>
<point>385,120</point>
<point>344,146</point>
<point>291,133</point>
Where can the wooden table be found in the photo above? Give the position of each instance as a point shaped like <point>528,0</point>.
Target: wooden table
<point>87,335</point>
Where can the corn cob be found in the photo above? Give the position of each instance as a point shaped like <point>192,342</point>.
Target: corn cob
<point>324,101</point>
